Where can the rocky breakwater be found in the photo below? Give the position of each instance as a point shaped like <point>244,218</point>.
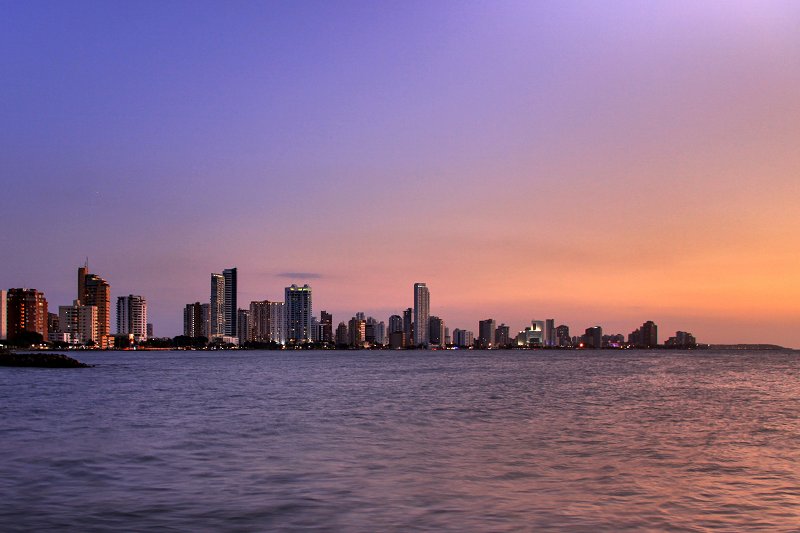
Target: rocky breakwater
<point>40,360</point>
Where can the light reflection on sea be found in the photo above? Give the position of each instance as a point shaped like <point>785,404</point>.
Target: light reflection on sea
<point>376,441</point>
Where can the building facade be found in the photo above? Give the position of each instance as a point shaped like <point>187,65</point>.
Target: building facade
<point>562,336</point>
<point>532,336</point>
<point>79,323</point>
<point>3,314</point>
<point>408,326</point>
<point>645,336</point>
<point>217,306</point>
<point>267,322</point>
<point>436,333</point>
<point>94,290</point>
<point>550,332</point>
<point>593,338</point>
<point>27,313</point>
<point>259,321</point>
<point>357,332</point>
<point>230,309</point>
<point>463,338</point>
<point>243,325</point>
<point>326,321</point>
<point>486,331</point>
<point>422,309</point>
<point>342,337</point>
<point>132,317</point>
<point>298,313</point>
<point>193,320</point>
<point>502,336</point>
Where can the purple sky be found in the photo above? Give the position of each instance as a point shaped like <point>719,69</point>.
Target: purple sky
<point>596,162</point>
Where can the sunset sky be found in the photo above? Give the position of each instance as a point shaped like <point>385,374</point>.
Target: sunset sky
<point>593,162</point>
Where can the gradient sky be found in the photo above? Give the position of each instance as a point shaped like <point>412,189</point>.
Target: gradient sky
<point>596,162</point>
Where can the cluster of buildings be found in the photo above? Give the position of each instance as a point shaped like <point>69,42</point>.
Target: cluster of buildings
<point>291,322</point>
<point>25,316</point>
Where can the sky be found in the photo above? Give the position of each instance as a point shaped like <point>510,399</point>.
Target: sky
<point>600,163</point>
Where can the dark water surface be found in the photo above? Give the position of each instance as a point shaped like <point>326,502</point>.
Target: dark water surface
<point>403,441</point>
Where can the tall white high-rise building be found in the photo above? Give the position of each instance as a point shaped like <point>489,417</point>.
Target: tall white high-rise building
<point>3,314</point>
<point>132,316</point>
<point>277,322</point>
<point>422,311</point>
<point>298,313</point>
<point>217,325</point>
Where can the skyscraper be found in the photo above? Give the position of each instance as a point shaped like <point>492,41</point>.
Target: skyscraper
<point>27,313</point>
<point>421,314</point>
<point>645,336</point>
<point>267,322</point>
<point>532,336</point>
<point>502,336</point>
<point>53,327</point>
<point>380,333</point>
<point>436,332</point>
<point>593,337</point>
<point>94,290</point>
<point>79,322</point>
<point>550,332</point>
<point>342,338</point>
<point>243,325</point>
<point>229,304</point>
<point>298,313</point>
<point>650,334</point>
<point>205,328</point>
<point>217,326</point>
<point>408,326</point>
<point>3,314</point>
<point>277,322</point>
<point>562,334</point>
<point>315,330</point>
<point>259,321</point>
<point>193,320</point>
<point>463,338</point>
<point>395,324</point>
<point>486,333</point>
<point>132,316</point>
<point>326,320</point>
<point>357,330</point>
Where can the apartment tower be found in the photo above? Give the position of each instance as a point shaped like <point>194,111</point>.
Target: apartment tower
<point>132,317</point>
<point>94,290</point>
<point>298,313</point>
<point>422,310</point>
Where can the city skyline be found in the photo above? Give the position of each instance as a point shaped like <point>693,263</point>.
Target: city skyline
<point>593,162</point>
<point>293,322</point>
<point>225,288</point>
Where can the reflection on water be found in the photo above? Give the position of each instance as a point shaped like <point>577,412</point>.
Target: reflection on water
<point>367,441</point>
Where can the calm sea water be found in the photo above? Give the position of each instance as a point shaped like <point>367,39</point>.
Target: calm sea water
<point>403,441</point>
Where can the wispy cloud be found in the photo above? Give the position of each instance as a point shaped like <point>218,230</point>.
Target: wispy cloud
<point>300,275</point>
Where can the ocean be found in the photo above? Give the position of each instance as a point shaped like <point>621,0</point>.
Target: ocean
<point>403,441</point>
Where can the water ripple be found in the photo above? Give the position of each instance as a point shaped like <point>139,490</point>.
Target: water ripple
<point>422,441</point>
